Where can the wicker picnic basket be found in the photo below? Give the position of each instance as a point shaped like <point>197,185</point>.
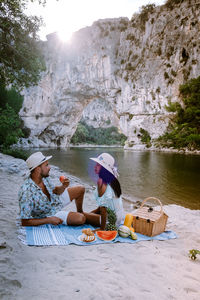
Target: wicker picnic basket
<point>148,221</point>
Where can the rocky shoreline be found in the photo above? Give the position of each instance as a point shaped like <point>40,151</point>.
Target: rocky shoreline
<point>139,147</point>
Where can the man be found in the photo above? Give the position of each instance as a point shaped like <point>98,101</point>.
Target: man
<point>42,203</point>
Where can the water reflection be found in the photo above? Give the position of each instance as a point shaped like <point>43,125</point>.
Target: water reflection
<point>173,178</point>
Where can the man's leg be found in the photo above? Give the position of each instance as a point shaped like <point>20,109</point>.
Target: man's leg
<point>77,193</point>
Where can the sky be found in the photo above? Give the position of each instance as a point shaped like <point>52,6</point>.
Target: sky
<point>68,16</point>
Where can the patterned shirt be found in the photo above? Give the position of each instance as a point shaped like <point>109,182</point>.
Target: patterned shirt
<point>109,200</point>
<point>34,204</point>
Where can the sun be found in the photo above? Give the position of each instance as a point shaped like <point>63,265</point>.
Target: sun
<point>65,35</point>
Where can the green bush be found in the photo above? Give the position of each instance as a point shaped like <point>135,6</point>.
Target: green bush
<point>172,107</point>
<point>10,97</point>
<point>158,90</point>
<point>98,136</point>
<point>18,153</point>
<point>170,3</point>
<point>10,129</point>
<point>184,132</point>
<point>145,12</point>
<point>81,135</point>
<point>159,51</point>
<point>166,76</point>
<point>145,137</point>
<point>173,73</point>
<point>130,37</point>
<point>11,126</point>
<point>130,67</point>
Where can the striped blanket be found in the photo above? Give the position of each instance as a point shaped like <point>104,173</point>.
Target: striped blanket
<point>50,235</point>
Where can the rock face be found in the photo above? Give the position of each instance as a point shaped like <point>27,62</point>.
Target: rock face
<point>99,113</point>
<point>134,66</point>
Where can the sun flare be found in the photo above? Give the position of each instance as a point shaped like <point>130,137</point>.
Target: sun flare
<point>64,35</point>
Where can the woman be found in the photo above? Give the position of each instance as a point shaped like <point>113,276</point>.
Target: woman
<point>107,193</point>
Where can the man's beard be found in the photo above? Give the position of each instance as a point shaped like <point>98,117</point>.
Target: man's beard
<point>45,175</point>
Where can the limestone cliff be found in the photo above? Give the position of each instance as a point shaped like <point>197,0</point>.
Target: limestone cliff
<point>136,66</point>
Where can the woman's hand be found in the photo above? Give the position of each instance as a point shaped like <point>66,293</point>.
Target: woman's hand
<point>95,230</point>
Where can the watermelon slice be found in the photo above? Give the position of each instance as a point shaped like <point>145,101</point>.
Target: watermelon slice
<point>107,235</point>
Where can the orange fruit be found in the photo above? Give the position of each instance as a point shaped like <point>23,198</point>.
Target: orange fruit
<point>132,229</point>
<point>62,178</point>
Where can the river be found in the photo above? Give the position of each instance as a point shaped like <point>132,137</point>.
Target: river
<point>172,177</point>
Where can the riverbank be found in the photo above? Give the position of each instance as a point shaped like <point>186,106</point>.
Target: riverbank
<point>166,150</point>
<point>146,270</point>
<point>141,147</point>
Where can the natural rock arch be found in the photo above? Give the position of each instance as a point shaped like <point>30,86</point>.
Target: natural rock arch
<point>137,69</point>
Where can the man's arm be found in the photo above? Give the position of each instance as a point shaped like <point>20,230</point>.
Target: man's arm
<point>37,222</point>
<point>60,189</point>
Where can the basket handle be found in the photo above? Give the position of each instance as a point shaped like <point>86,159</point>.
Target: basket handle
<point>153,198</point>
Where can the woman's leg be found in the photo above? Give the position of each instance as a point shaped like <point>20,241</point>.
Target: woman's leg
<point>92,219</point>
<point>75,218</point>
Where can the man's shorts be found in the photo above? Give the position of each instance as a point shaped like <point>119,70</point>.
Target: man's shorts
<point>63,214</point>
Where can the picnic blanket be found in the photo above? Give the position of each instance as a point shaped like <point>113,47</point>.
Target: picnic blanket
<point>50,235</point>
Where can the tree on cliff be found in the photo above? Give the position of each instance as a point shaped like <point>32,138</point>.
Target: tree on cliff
<point>184,131</point>
<point>20,55</point>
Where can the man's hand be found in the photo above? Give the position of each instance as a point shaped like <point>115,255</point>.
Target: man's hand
<point>65,182</point>
<point>54,220</point>
<point>58,190</point>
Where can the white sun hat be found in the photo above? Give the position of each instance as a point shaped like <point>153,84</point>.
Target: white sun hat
<point>36,159</point>
<point>107,161</point>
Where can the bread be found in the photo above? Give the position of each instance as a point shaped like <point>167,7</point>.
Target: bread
<point>87,236</point>
<point>88,231</point>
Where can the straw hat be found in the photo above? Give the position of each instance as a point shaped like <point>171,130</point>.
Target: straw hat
<point>108,162</point>
<point>36,159</point>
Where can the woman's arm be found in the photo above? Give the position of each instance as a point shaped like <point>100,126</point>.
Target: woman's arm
<point>96,211</point>
<point>103,213</point>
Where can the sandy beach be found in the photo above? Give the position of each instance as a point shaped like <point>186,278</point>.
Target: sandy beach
<point>146,270</point>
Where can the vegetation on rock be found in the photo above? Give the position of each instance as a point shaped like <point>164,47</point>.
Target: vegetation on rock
<point>145,137</point>
<point>99,136</point>
<point>184,131</point>
<point>170,3</point>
